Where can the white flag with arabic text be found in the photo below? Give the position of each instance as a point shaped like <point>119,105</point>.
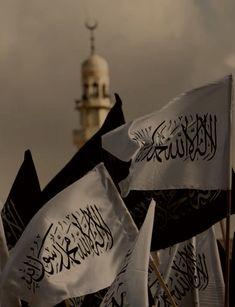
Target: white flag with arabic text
<point>74,245</point>
<point>192,272</point>
<point>130,287</point>
<point>186,144</point>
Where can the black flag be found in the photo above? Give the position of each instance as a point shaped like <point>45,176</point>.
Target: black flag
<point>180,214</point>
<point>89,156</point>
<point>22,202</point>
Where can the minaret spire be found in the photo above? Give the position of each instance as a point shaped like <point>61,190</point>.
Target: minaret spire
<point>91,25</point>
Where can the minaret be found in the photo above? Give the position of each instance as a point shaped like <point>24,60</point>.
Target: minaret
<point>95,102</point>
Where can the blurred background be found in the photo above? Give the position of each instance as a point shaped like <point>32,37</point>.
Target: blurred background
<point>155,51</point>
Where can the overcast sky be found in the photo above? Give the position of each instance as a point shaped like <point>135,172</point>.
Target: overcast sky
<point>156,49</point>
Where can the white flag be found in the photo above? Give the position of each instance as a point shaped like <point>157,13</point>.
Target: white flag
<point>186,144</point>
<point>74,245</point>
<point>193,273</point>
<point>130,287</point>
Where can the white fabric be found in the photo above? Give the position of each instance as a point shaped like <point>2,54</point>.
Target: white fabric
<point>193,273</point>
<point>74,245</point>
<point>186,144</point>
<point>130,286</point>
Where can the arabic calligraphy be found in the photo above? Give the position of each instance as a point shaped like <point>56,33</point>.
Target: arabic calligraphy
<point>172,205</point>
<point>188,137</point>
<point>66,244</point>
<point>188,272</point>
<point>175,204</point>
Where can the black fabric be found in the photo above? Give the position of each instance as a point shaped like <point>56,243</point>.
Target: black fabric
<point>22,202</point>
<point>89,156</point>
<point>179,214</point>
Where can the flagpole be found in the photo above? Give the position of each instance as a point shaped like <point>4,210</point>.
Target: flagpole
<point>223,232</point>
<point>162,283</point>
<point>227,249</point>
<point>66,303</point>
<point>228,206</point>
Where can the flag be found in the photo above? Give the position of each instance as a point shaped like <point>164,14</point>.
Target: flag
<point>74,245</point>
<point>93,299</point>
<point>186,144</point>
<point>130,287</point>
<point>22,202</point>
<point>89,156</point>
<point>6,299</point>
<point>192,272</point>
<point>85,159</point>
<point>180,214</point>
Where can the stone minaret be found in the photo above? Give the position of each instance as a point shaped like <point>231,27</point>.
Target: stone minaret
<point>95,102</point>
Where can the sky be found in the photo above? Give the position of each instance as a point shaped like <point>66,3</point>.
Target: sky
<point>156,49</point>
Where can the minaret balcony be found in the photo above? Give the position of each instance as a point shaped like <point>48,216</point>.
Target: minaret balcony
<point>94,103</point>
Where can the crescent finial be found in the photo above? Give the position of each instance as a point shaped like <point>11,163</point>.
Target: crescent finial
<point>91,25</point>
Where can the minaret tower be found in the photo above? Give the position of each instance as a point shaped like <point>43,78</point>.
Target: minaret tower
<point>95,102</point>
